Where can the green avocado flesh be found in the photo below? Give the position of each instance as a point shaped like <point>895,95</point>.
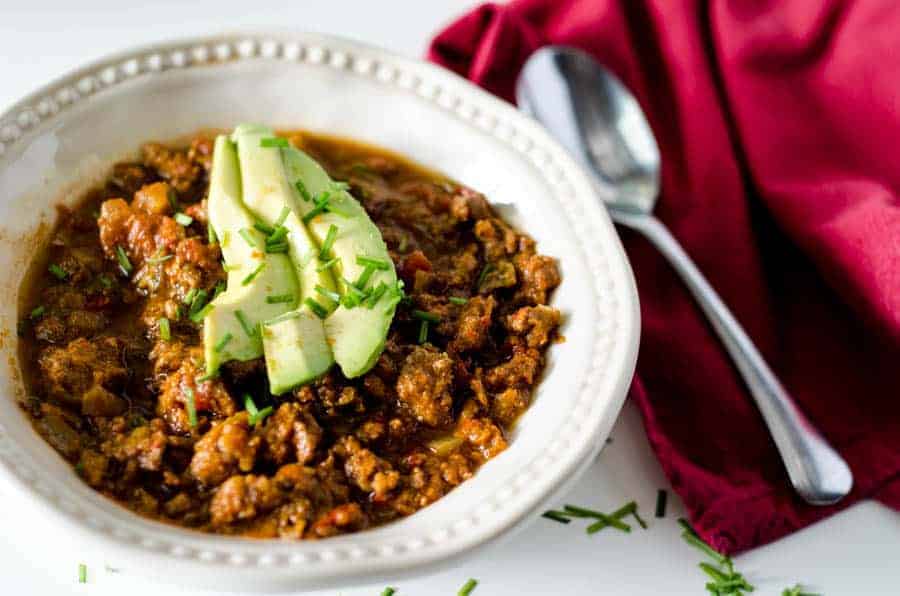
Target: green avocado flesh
<point>356,334</point>
<point>274,209</point>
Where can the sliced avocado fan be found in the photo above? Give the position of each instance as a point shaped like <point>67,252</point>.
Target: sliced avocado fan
<point>231,329</point>
<point>359,259</point>
<point>295,346</point>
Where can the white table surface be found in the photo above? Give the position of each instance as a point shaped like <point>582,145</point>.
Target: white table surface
<point>857,552</point>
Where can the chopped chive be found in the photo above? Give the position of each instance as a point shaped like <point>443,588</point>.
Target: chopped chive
<point>278,234</point>
<point>370,262</point>
<point>124,263</point>
<point>183,219</point>
<point>279,298</point>
<point>58,272</point>
<point>220,345</point>
<point>165,331</point>
<point>467,587</point>
<point>263,227</point>
<point>198,301</point>
<point>173,199</point>
<point>253,274</point>
<point>328,242</point>
<point>557,516</point>
<point>327,264</point>
<point>211,234</point>
<point>364,277</point>
<point>376,295</point>
<point>692,538</point>
<point>333,296</point>
<point>207,377</point>
<point>426,316</point>
<point>321,206</point>
<point>273,142</point>
<point>82,573</point>
<point>293,314</point>
<point>249,404</point>
<point>220,287</point>
<point>37,312</point>
<point>638,518</point>
<point>201,314</point>
<point>189,297</point>
<point>423,332</point>
<point>260,416</point>
<point>191,406</point>
<point>276,247</point>
<point>159,259</point>
<point>106,282</point>
<point>661,498</point>
<point>712,572</point>
<point>603,519</point>
<point>458,300</point>
<point>285,211</point>
<point>483,275</point>
<point>245,324</point>
<point>248,237</point>
<point>301,188</point>
<point>317,308</point>
<point>389,591</point>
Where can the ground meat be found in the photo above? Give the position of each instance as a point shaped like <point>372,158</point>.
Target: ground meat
<point>366,471</point>
<point>497,239</point>
<point>483,435</point>
<point>129,177</point>
<point>507,405</point>
<point>228,448</point>
<point>155,199</point>
<point>521,369</point>
<point>173,165</point>
<point>474,323</point>
<point>533,324</point>
<point>424,385</point>
<point>539,275</point>
<point>145,445</point>
<point>83,366</point>
<point>58,427</point>
<point>348,517</point>
<point>244,497</point>
<point>209,395</point>
<point>291,434</point>
<point>498,275</point>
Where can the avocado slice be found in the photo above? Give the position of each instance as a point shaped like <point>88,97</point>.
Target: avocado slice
<point>231,329</point>
<point>295,347</point>
<point>356,333</point>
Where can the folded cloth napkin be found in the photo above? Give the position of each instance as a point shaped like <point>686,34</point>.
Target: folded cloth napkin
<point>777,123</point>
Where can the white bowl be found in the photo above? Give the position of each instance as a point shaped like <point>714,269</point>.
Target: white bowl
<point>55,142</point>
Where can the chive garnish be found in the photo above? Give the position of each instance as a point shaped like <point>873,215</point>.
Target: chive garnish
<point>198,301</point>
<point>725,579</point>
<point>255,415</point>
<point>278,234</point>
<point>253,274</point>
<point>556,516</point>
<point>189,297</point>
<point>201,314</point>
<point>484,273</point>
<point>328,242</point>
<point>376,295</point>
<point>327,264</point>
<point>165,331</point>
<point>82,573</point>
<point>285,211</point>
<point>58,272</point>
<point>321,206</point>
<point>301,188</point>
<point>276,247</point>
<point>263,227</point>
<point>173,199</point>
<point>220,345</point>
<point>273,142</point>
<point>661,498</point>
<point>159,259</point>
<point>250,405</point>
<point>317,308</point>
<point>333,296</point>
<point>389,591</point>
<point>248,237</point>
<point>124,263</point>
<point>191,406</point>
<point>423,332</point>
<point>279,298</point>
<point>37,312</point>
<point>426,316</point>
<point>211,234</point>
<point>467,587</point>
<point>797,590</point>
<point>183,219</point>
<point>364,277</point>
<point>458,300</point>
<point>220,287</point>
<point>606,520</point>
<point>245,324</point>
<point>370,262</point>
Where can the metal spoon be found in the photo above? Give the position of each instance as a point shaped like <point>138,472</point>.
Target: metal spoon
<point>594,116</point>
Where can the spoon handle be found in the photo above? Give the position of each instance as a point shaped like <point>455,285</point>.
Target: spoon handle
<point>817,472</point>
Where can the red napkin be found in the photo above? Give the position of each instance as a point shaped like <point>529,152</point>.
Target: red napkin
<point>778,123</point>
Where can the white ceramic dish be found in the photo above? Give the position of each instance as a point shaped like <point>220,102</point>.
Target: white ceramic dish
<point>58,140</point>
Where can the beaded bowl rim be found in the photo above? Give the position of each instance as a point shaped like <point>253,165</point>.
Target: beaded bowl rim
<point>613,349</point>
